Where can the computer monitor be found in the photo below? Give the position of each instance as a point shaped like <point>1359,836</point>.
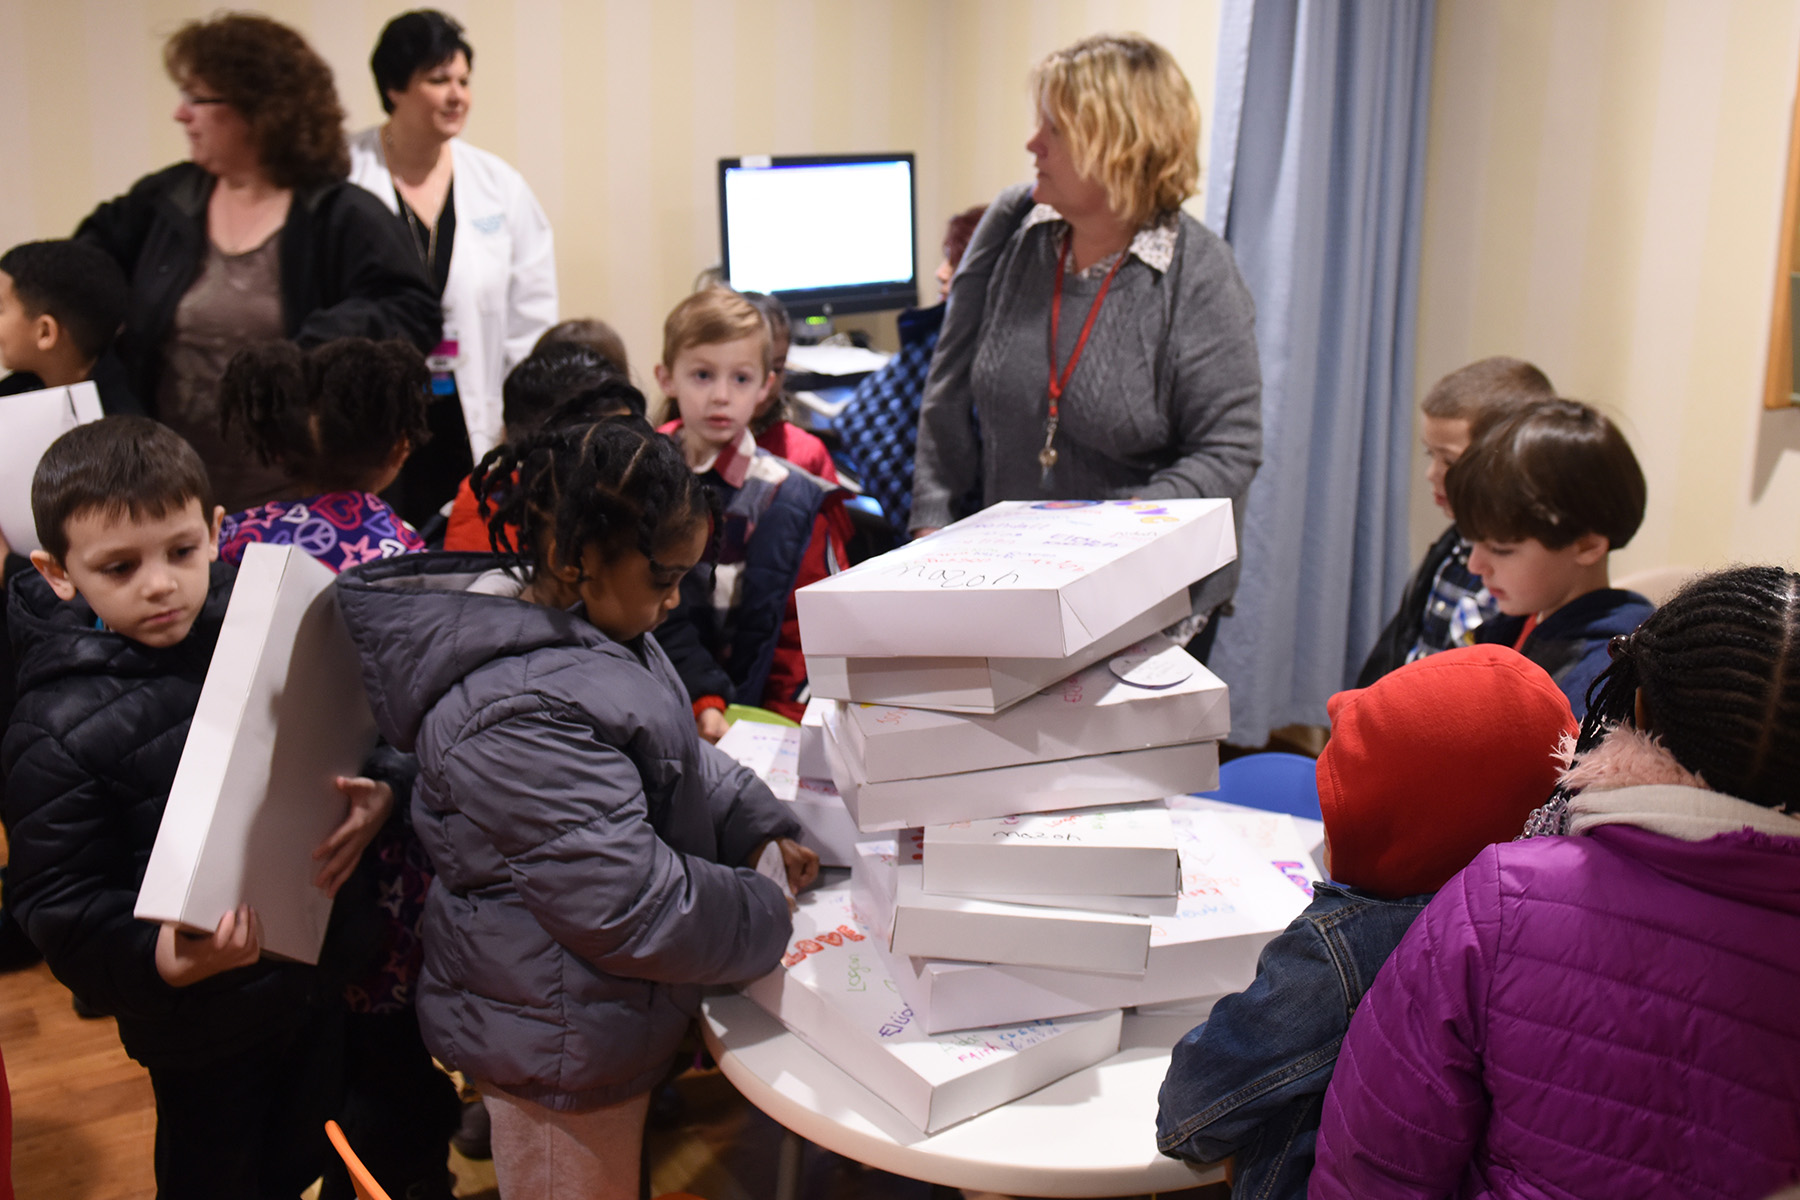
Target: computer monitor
<point>827,233</point>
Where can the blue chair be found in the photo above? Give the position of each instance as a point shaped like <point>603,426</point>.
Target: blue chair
<point>1274,782</point>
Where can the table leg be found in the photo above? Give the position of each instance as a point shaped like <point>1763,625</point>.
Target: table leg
<point>787,1166</point>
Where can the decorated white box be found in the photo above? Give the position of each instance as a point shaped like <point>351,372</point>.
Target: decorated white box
<point>281,714</point>
<point>773,752</point>
<point>832,990</point>
<point>1020,579</point>
<point>1119,850</point>
<point>29,422</point>
<point>887,884</point>
<point>1234,900</point>
<point>1151,693</point>
<point>973,685</point>
<point>1126,777</point>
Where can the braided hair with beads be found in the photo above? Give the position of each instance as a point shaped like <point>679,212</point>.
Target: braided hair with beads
<point>614,484</point>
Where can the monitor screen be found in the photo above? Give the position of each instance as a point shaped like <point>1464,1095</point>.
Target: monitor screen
<point>825,233</point>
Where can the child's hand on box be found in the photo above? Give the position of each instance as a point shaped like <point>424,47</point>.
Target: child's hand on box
<point>370,804</point>
<point>802,864</point>
<point>712,724</point>
<point>184,958</point>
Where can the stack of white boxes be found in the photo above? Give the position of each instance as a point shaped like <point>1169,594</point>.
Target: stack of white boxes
<point>1000,697</point>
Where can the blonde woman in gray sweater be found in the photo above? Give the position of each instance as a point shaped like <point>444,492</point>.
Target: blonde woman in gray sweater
<point>1099,342</point>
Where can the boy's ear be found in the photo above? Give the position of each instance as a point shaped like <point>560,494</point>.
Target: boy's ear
<point>1591,548</point>
<point>56,577</point>
<point>212,545</point>
<point>46,332</point>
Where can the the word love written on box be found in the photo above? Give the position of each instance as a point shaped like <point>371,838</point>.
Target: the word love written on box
<point>834,992</point>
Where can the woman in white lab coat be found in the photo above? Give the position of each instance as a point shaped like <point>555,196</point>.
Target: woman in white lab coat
<point>480,232</point>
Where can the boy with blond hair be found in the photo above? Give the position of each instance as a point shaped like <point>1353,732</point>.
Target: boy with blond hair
<point>736,636</point>
<point>1444,603</point>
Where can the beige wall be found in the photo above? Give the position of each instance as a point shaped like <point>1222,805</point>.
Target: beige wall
<point>615,110</point>
<point>1603,195</point>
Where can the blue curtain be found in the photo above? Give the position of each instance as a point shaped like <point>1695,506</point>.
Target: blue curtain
<point>1317,165</point>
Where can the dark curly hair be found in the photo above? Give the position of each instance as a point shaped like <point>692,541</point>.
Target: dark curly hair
<point>615,485</point>
<point>1718,668</point>
<point>277,83</point>
<point>330,416</point>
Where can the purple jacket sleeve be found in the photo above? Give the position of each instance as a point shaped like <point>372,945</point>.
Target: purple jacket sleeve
<point>1408,1103</point>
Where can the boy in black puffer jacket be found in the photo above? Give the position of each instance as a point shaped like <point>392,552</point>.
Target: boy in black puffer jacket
<point>114,632</point>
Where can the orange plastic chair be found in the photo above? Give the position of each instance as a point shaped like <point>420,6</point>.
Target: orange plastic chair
<point>364,1183</point>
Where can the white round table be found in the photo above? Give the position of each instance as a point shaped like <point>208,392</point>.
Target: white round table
<point>1092,1133</point>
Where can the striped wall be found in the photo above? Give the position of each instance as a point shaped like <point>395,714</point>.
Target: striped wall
<point>615,110</point>
<point>1603,195</point>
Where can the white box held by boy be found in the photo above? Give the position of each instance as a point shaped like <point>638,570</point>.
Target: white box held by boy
<point>1020,579</point>
<point>1151,693</point>
<point>281,714</point>
<point>1122,850</point>
<point>1126,777</point>
<point>833,992</point>
<point>1234,901</point>
<point>914,922</point>
<point>973,685</point>
<point>29,422</point>
<point>773,752</point>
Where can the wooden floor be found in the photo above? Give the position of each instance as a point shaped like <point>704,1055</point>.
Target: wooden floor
<point>83,1120</point>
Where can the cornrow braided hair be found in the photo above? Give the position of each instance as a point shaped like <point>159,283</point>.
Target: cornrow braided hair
<point>613,484</point>
<point>1718,666</point>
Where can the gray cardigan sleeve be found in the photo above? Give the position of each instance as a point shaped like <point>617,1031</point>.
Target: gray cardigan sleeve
<point>1214,384</point>
<point>947,461</point>
<point>578,842</point>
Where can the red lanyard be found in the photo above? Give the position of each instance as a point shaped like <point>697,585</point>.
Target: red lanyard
<point>1060,380</point>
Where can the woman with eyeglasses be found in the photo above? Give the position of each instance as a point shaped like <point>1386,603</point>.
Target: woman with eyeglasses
<point>257,236</point>
<point>476,227</point>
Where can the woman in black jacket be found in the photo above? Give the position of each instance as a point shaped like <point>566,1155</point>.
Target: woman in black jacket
<point>258,236</point>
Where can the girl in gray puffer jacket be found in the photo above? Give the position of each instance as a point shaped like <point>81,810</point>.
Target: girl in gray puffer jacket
<point>593,856</point>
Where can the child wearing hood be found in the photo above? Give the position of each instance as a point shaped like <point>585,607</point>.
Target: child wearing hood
<point>1249,1083</point>
<point>1607,1011</point>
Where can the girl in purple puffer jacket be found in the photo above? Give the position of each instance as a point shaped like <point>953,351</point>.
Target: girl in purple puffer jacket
<point>1613,1012</point>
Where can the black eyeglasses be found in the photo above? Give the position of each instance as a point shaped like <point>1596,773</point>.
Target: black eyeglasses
<point>193,101</point>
